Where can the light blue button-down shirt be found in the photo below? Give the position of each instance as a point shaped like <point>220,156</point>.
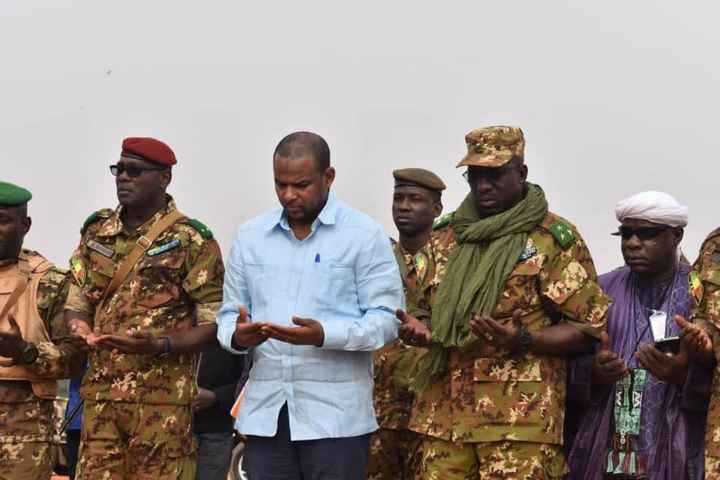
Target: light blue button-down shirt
<point>343,275</point>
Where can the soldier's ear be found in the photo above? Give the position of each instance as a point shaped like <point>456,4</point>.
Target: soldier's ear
<point>27,223</point>
<point>437,208</point>
<point>165,178</point>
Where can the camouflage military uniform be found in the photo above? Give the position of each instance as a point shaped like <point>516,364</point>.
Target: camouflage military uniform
<point>393,448</point>
<point>705,289</point>
<point>26,421</point>
<point>137,407</point>
<point>497,416</point>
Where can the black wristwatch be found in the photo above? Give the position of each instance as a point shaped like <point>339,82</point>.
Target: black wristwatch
<point>525,341</point>
<point>28,355</point>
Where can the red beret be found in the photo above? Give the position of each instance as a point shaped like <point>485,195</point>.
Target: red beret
<point>149,149</point>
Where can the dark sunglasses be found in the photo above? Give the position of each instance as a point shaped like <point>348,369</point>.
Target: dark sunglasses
<point>492,175</point>
<point>132,172</point>
<point>642,233</point>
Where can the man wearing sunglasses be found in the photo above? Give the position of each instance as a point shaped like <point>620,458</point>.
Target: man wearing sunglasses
<point>517,294</point>
<point>146,284</point>
<point>641,401</point>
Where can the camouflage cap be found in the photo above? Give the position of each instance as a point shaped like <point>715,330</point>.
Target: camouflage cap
<point>418,177</point>
<point>493,146</point>
<point>12,195</point>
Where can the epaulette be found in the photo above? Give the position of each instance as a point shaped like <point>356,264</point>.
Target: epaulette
<point>94,217</point>
<point>443,221</point>
<point>562,233</point>
<point>203,230</point>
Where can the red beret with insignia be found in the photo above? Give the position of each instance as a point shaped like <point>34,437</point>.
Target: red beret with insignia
<point>150,149</point>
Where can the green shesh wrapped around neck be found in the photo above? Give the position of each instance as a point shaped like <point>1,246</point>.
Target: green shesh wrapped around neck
<point>477,270</point>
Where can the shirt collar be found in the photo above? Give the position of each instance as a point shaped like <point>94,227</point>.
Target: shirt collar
<point>114,226</point>
<point>327,216</point>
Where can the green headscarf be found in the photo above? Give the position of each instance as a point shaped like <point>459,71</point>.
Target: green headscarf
<point>477,270</point>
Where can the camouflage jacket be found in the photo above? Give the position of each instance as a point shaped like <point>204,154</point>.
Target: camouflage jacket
<point>23,416</point>
<point>175,286</point>
<point>705,290</point>
<point>491,395</point>
<point>421,275</point>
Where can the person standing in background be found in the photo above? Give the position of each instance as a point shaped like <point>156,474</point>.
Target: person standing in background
<point>217,380</point>
<point>415,206</point>
<point>33,353</point>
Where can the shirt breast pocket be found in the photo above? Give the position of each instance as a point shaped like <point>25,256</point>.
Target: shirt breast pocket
<point>521,290</point>
<point>337,289</point>
<point>509,391</point>
<point>159,280</point>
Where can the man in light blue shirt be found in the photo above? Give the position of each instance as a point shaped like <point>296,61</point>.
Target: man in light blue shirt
<point>312,289</point>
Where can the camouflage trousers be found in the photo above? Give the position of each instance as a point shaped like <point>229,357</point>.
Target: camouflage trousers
<point>393,455</point>
<point>29,460</point>
<point>121,440</point>
<point>442,460</point>
<point>712,468</point>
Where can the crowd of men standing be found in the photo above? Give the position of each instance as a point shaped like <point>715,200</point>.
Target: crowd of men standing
<point>480,345</point>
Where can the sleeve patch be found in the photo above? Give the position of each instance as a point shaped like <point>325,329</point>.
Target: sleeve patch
<point>696,287</point>
<point>563,234</point>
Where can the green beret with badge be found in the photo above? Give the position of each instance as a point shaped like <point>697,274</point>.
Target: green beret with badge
<point>12,195</point>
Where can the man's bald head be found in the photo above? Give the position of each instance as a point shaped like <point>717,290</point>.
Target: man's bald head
<point>298,144</point>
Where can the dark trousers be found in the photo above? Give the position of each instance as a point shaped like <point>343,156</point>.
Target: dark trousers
<point>214,452</point>
<point>278,458</point>
<point>73,445</point>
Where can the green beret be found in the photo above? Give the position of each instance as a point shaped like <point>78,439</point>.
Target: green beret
<point>12,195</point>
<point>418,177</point>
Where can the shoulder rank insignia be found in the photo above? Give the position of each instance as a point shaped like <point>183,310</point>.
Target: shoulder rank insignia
<point>100,248</point>
<point>442,221</point>
<point>528,252</point>
<point>563,234</point>
<point>204,231</point>
<point>163,248</point>
<point>94,217</point>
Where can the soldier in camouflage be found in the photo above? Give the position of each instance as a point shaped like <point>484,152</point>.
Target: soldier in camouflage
<point>519,293</point>
<point>143,336</point>
<point>33,354</point>
<point>416,204</point>
<point>705,290</point>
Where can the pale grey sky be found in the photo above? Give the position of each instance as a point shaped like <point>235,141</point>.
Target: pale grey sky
<point>614,97</point>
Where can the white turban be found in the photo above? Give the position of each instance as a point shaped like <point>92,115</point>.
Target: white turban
<point>655,207</point>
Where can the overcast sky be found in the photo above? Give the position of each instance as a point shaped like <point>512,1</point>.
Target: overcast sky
<point>615,97</point>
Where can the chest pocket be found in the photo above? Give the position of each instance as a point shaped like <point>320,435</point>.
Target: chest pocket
<point>102,270</point>
<point>336,287</point>
<point>158,279</point>
<point>521,289</point>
